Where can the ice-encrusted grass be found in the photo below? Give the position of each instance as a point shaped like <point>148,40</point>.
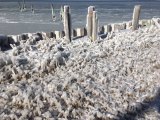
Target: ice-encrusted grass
<point>106,79</point>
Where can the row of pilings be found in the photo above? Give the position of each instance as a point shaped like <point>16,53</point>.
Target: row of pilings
<point>92,22</point>
<point>92,29</point>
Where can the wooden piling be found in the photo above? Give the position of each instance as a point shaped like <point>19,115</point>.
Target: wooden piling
<point>39,35</point>
<point>67,23</point>
<point>156,22</point>
<point>74,33</point>
<point>135,19</point>
<point>107,28</point>
<point>57,34</point>
<point>118,26</point>
<point>85,31</point>
<point>80,32</point>
<point>144,22</point>
<point>128,25</point>
<point>95,26</point>
<point>149,22</point>
<point>62,34</point>
<point>101,30</point>
<point>89,21</point>
<point>50,34</point>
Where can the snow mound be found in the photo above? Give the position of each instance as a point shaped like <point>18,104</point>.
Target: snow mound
<point>114,78</point>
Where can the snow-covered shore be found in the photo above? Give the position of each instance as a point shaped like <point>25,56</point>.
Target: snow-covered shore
<point>114,78</point>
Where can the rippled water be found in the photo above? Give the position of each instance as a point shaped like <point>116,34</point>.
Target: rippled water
<point>12,21</point>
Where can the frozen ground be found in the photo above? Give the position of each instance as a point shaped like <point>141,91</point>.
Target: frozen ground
<point>115,78</point>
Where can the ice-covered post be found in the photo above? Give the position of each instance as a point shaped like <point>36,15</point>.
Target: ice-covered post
<point>89,21</point>
<point>135,19</point>
<point>95,26</point>
<point>156,22</point>
<point>67,23</point>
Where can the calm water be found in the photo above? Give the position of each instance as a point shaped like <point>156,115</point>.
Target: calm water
<point>12,21</point>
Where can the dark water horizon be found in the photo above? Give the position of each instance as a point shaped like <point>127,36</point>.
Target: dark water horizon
<point>81,0</point>
<point>12,21</point>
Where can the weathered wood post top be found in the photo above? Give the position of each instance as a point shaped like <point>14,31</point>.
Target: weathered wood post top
<point>136,15</point>
<point>66,8</point>
<point>67,23</point>
<point>89,21</point>
<point>94,26</point>
<point>91,9</point>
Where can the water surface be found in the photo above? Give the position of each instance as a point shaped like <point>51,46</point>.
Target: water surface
<point>12,21</point>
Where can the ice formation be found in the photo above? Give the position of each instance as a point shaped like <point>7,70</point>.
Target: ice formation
<point>114,78</point>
